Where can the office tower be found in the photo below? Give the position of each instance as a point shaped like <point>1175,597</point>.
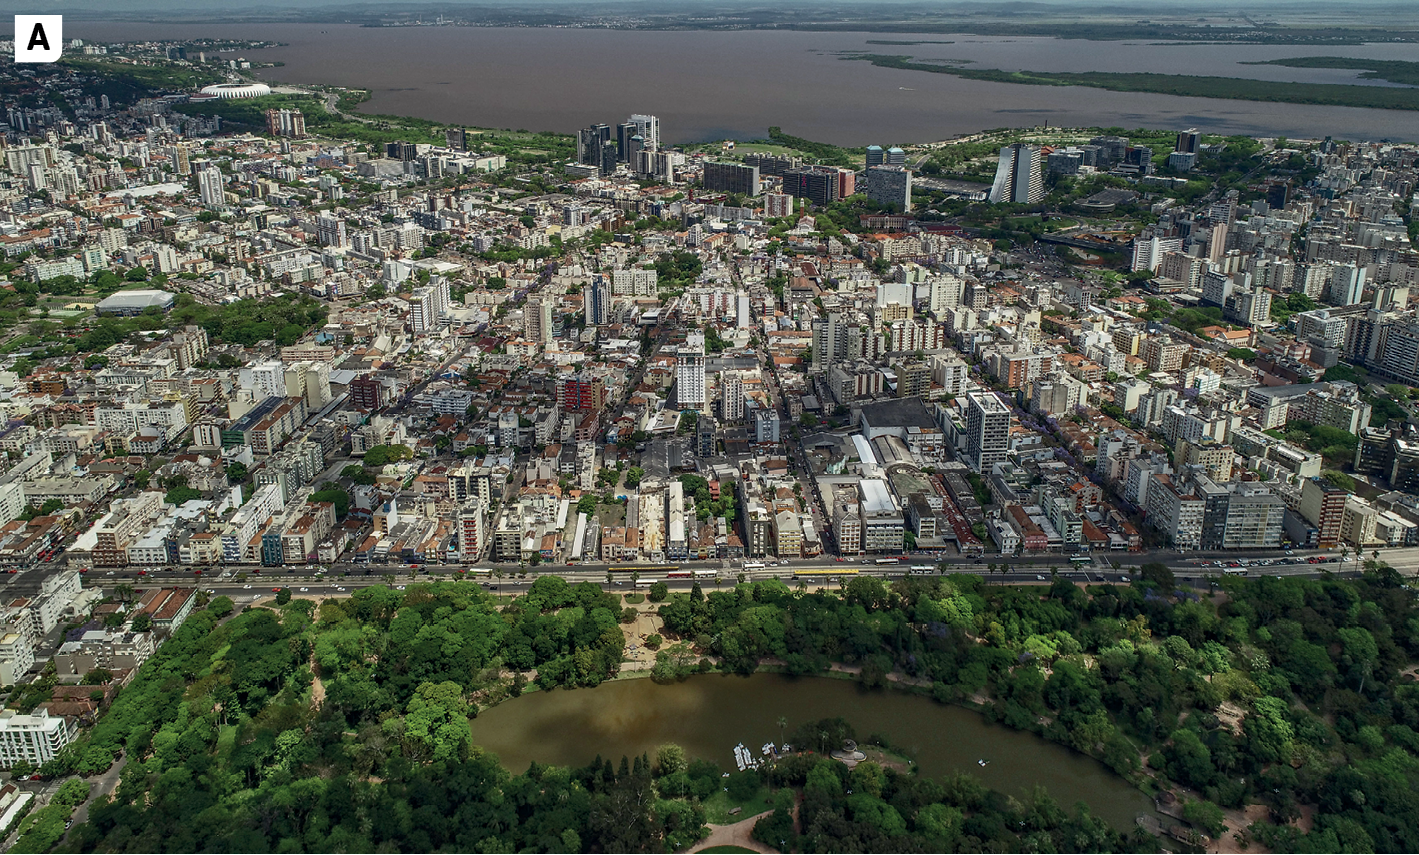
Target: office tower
<point>731,396</point>
<point>589,142</point>
<point>538,320</point>
<point>772,164</point>
<point>743,318</point>
<point>1217,242</point>
<point>1110,149</point>
<point>1141,157</point>
<point>1347,284</point>
<point>180,160</point>
<point>609,158</point>
<point>987,430</point>
<point>624,132</point>
<point>731,178</point>
<point>648,129</point>
<point>820,185</point>
<point>896,157</point>
<point>1278,193</point>
<point>690,373</point>
<point>890,185</point>
<point>1188,141</point>
<point>777,205</point>
<point>598,306</point>
<point>210,186</point>
<point>456,138</point>
<point>1019,176</point>
<point>875,156</point>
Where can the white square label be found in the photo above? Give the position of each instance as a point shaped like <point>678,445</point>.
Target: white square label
<point>38,38</point>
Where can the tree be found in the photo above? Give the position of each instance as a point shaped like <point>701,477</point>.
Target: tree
<point>1160,575</point>
<point>283,596</point>
<point>658,592</point>
<point>143,622</point>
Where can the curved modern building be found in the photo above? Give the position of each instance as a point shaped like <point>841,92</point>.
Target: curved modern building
<point>228,91</point>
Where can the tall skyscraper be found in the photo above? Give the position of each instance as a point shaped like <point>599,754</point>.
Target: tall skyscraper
<point>875,156</point>
<point>648,128</point>
<point>598,301</point>
<point>210,186</point>
<point>896,157</point>
<point>1019,176</point>
<point>987,430</point>
<point>690,373</point>
<point>538,320</point>
<point>624,132</point>
<point>743,319</point>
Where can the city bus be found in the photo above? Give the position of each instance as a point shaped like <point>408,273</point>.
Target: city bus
<point>1081,559</point>
<point>678,574</point>
<point>645,583</point>
<point>821,573</point>
<point>923,568</point>
<point>479,571</point>
<point>657,568</point>
<point>884,561</point>
<point>754,566</point>
<point>706,574</point>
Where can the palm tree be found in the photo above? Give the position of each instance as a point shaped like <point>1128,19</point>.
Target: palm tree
<point>782,724</point>
<point>635,577</point>
<point>741,578</point>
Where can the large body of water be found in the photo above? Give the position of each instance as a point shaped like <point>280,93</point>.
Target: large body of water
<point>716,85</point>
<point>708,715</point>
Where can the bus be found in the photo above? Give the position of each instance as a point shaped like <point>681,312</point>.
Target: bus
<point>923,568</point>
<point>754,566</point>
<point>645,583</point>
<point>678,574</point>
<point>706,574</point>
<point>1081,559</point>
<point>884,561</point>
<point>657,568</point>
<point>479,571</point>
<point>821,573</point>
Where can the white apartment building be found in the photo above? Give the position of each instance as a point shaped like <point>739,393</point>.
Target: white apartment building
<point>34,738</point>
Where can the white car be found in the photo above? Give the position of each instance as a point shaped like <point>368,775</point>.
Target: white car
<point>303,590</point>
<point>1039,578</point>
<point>1123,578</point>
<point>247,587</point>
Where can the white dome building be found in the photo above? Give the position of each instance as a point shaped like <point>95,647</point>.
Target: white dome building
<point>228,91</point>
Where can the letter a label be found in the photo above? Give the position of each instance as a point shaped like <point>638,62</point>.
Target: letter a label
<point>38,38</point>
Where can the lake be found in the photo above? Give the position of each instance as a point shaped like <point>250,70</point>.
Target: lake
<point>735,84</point>
<point>709,714</point>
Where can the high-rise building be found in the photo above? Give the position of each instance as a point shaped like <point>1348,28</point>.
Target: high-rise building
<point>731,178</point>
<point>820,185</point>
<point>875,156</point>
<point>890,185</point>
<point>731,396</point>
<point>1347,284</point>
<point>285,123</point>
<point>1323,506</point>
<point>1019,176</point>
<point>472,530</point>
<point>987,430</point>
<point>598,305</point>
<point>589,142</point>
<point>330,231</point>
<point>537,320</point>
<point>778,205</point>
<point>624,132</point>
<point>648,129</point>
<point>1188,141</point>
<point>690,373</point>
<point>456,138</point>
<point>583,393</point>
<point>211,186</point>
<point>743,318</point>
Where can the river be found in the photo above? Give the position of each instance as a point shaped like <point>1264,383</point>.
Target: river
<point>735,84</point>
<point>709,714</point>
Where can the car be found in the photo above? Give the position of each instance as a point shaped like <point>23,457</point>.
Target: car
<point>247,587</point>
<point>303,590</point>
<point>399,588</point>
<point>275,590</point>
<point>1123,578</point>
<point>1289,552</point>
<point>339,588</point>
<point>1039,578</point>
<point>256,596</point>
<point>1347,559</point>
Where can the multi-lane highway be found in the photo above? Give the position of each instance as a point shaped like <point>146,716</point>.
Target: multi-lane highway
<point>1188,568</point>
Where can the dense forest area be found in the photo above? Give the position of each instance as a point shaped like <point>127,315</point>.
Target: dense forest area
<point>343,726</point>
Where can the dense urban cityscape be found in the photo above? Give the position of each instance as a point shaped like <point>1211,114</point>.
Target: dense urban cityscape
<point>597,404</point>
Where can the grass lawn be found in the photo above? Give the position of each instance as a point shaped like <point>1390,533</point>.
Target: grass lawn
<point>635,599</point>
<point>717,807</point>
